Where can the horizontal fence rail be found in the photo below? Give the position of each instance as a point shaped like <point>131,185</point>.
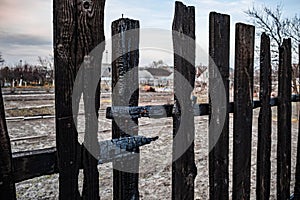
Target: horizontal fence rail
<point>167,110</point>
<point>35,163</point>
<point>31,164</point>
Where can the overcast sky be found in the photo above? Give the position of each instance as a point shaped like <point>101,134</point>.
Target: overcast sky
<point>26,26</point>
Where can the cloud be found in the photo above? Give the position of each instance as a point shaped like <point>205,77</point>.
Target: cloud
<point>28,24</point>
<point>154,14</point>
<point>26,16</point>
<point>27,53</point>
<point>28,29</point>
<point>9,39</point>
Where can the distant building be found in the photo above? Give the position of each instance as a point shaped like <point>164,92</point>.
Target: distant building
<point>106,79</point>
<point>145,77</point>
<point>161,76</point>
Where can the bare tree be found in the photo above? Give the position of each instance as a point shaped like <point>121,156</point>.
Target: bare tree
<point>157,64</point>
<point>1,59</point>
<point>272,22</point>
<point>293,31</point>
<point>200,69</point>
<point>47,65</point>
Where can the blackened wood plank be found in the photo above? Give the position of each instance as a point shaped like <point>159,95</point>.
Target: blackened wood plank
<point>284,121</point>
<point>140,111</point>
<point>125,88</point>
<point>35,163</point>
<point>264,122</point>
<point>219,37</point>
<point>78,28</point>
<point>65,46</point>
<point>31,164</point>
<point>7,186</point>
<point>91,35</point>
<point>184,169</point>
<point>162,111</point>
<point>297,176</point>
<point>242,125</point>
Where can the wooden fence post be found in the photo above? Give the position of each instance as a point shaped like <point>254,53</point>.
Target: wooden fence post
<point>242,124</point>
<point>219,37</point>
<point>125,88</point>
<point>7,185</point>
<point>78,29</point>
<point>264,122</point>
<point>284,121</point>
<point>297,175</point>
<point>184,169</point>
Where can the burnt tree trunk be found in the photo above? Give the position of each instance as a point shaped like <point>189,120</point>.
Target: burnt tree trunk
<point>125,88</point>
<point>184,169</point>
<point>78,29</point>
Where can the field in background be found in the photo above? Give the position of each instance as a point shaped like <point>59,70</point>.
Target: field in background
<point>31,125</point>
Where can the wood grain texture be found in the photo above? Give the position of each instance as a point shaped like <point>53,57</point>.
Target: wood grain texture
<point>184,169</point>
<point>91,34</point>
<point>7,185</point>
<point>263,170</point>
<point>125,88</point>
<point>242,124</point>
<point>284,121</point>
<point>78,29</point>
<point>219,39</point>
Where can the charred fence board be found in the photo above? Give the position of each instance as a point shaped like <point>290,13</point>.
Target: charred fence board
<point>65,44</point>
<point>125,92</point>
<point>167,110</point>
<point>184,169</point>
<point>78,29</point>
<point>284,121</point>
<point>242,124</point>
<point>263,171</point>
<point>91,38</point>
<point>35,163</point>
<point>297,175</point>
<point>219,32</point>
<point>7,185</point>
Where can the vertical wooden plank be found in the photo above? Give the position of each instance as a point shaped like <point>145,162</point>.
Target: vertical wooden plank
<point>219,37</point>
<point>297,175</point>
<point>264,122</point>
<point>125,87</point>
<point>91,34</point>
<point>284,121</point>
<point>65,72</point>
<point>184,169</point>
<point>78,28</point>
<point>7,185</point>
<point>242,125</point>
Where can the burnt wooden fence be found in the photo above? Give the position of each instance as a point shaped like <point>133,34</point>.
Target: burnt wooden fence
<point>78,28</point>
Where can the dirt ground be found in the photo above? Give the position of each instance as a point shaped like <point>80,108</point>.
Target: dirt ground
<point>155,163</point>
